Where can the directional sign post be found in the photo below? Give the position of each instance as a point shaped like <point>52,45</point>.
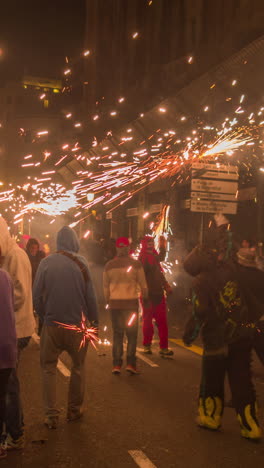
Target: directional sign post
<point>214,188</point>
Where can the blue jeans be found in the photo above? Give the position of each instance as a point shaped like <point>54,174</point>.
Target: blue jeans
<point>14,414</point>
<point>120,321</point>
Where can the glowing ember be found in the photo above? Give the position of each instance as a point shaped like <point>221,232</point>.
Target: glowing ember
<point>131,320</point>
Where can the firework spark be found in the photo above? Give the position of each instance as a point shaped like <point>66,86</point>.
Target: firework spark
<point>227,143</point>
<point>88,333</point>
<point>131,319</point>
<point>54,206</point>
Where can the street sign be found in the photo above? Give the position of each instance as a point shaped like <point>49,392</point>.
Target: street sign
<point>215,167</point>
<point>206,185</point>
<point>155,208</point>
<point>215,175</point>
<point>185,204</point>
<point>212,206</point>
<point>213,196</point>
<point>214,188</point>
<point>132,212</point>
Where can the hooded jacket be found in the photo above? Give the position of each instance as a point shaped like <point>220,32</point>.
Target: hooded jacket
<point>8,341</point>
<point>16,263</point>
<point>60,292</point>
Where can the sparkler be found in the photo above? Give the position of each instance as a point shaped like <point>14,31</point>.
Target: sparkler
<point>227,143</point>
<point>88,333</point>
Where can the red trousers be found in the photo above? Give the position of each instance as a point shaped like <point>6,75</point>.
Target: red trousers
<point>157,312</point>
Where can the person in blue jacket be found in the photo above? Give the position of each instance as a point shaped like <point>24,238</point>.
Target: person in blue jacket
<point>63,292</point>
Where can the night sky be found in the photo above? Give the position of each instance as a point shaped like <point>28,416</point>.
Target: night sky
<point>36,36</point>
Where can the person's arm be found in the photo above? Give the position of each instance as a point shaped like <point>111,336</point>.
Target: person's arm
<point>200,311</point>
<point>19,279</point>
<point>38,291</point>
<point>142,282</point>
<point>106,285</point>
<point>91,312</point>
<point>201,300</point>
<point>92,309</point>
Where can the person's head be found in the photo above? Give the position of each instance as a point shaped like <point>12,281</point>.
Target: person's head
<point>147,244</point>
<point>245,244</point>
<point>247,257</point>
<point>122,246</point>
<point>67,240</point>
<point>32,247</point>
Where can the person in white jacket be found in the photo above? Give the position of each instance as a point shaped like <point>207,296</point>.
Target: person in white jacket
<point>15,261</point>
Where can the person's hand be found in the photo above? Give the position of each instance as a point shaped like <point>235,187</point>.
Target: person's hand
<point>168,289</point>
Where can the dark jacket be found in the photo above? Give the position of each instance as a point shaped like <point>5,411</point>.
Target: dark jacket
<point>34,259</point>
<point>60,291</point>
<point>155,278</point>
<point>252,283</point>
<point>219,306</point>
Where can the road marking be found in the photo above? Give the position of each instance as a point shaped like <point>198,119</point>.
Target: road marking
<point>60,366</point>
<point>145,359</point>
<point>141,459</point>
<point>194,349</point>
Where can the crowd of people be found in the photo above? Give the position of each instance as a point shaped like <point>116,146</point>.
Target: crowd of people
<point>227,306</point>
<point>63,298</point>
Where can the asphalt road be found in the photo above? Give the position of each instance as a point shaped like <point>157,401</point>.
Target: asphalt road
<point>130,421</point>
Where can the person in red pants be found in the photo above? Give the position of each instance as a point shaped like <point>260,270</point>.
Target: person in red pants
<point>155,307</point>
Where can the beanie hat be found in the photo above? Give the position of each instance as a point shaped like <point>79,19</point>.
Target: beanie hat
<point>122,242</point>
<point>122,247</point>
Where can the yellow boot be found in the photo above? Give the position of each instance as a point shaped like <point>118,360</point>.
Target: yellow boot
<point>249,423</point>
<point>210,413</point>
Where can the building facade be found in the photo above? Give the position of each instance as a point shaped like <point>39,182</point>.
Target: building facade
<point>27,107</point>
<point>133,43</point>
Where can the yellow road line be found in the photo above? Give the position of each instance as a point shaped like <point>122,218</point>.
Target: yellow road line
<point>194,349</point>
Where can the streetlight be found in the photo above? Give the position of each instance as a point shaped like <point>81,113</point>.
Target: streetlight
<point>90,197</point>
